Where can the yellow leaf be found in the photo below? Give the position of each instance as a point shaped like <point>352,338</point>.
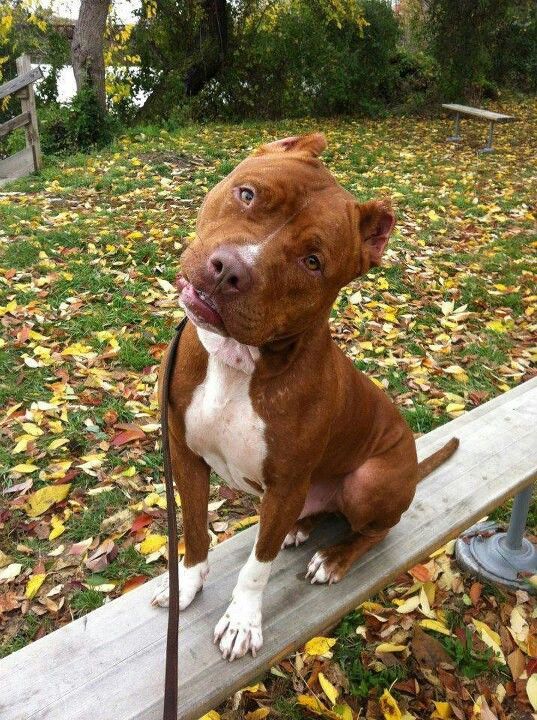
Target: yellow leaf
<point>320,646</point>
<point>42,499</point>
<point>328,689</point>
<point>531,690</point>
<point>312,703</point>
<point>212,715</point>
<point>435,625</point>
<point>34,583</point>
<point>344,712</point>
<point>390,708</point>
<point>389,648</point>
<point>155,499</point>
<point>490,638</point>
<point>442,710</point>
<point>135,235</point>
<point>409,605</point>
<point>258,714</point>
<point>371,607</point>
<point>77,349</point>
<point>497,326</point>
<point>32,429</point>
<point>152,543</point>
<point>241,524</point>
<point>55,444</point>
<point>433,216</point>
<point>455,407</point>
<point>24,468</point>
<point>22,443</point>
<point>57,527</point>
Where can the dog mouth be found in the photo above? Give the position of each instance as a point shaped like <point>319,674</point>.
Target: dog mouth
<point>199,306</point>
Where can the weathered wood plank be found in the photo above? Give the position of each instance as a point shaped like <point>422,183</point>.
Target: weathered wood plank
<point>479,113</point>
<point>21,81</point>
<point>24,66</point>
<point>17,165</point>
<point>111,662</point>
<point>14,123</point>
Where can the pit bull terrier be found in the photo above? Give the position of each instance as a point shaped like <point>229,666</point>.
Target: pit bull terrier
<point>260,391</point>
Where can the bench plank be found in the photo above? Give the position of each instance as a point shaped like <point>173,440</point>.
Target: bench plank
<point>110,663</point>
<point>479,113</point>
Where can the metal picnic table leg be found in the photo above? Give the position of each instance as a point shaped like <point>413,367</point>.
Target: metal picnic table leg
<point>507,558</point>
<point>488,147</point>
<point>456,136</point>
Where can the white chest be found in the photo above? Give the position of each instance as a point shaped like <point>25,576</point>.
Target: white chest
<point>223,427</point>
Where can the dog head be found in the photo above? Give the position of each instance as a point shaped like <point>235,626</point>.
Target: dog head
<point>276,240</point>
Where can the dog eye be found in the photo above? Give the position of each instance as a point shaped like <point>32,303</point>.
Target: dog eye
<point>312,262</point>
<point>246,195</point>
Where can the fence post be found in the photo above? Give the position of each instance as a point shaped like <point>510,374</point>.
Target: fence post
<point>27,98</point>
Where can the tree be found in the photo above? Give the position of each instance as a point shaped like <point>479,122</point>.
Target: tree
<point>182,46</point>
<point>87,48</point>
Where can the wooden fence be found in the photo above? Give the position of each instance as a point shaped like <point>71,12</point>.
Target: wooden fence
<point>27,160</point>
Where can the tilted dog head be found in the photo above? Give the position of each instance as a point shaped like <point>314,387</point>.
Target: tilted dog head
<point>276,240</point>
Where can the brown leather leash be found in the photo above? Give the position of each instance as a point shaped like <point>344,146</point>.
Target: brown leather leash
<point>172,637</point>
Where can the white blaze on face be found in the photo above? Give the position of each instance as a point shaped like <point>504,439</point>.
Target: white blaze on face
<point>239,629</point>
<point>249,253</point>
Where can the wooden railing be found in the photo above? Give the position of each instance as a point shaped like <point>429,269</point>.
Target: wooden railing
<point>27,160</point>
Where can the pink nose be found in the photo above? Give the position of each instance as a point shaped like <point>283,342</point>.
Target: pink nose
<point>228,271</point>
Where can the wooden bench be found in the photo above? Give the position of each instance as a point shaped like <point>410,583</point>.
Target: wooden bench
<point>110,663</point>
<point>480,114</point>
<point>27,160</point>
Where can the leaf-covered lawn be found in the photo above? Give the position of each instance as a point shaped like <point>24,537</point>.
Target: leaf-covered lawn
<point>89,251</point>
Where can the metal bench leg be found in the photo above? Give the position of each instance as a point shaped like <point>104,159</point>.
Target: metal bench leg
<point>488,147</point>
<point>456,136</point>
<point>507,558</point>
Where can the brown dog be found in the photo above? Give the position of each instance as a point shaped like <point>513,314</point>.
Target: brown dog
<point>262,394</point>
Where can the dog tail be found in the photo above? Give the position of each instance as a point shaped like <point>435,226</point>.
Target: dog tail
<point>425,467</point>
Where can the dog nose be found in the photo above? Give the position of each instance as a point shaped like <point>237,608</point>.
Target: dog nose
<point>228,271</point>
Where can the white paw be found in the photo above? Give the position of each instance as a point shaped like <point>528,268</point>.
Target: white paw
<point>295,538</point>
<point>239,629</point>
<point>317,570</point>
<point>191,581</point>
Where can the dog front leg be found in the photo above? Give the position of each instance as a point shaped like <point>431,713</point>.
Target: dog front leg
<point>191,474</point>
<point>239,629</point>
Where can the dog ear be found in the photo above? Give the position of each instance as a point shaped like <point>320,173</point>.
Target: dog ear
<point>376,224</point>
<point>313,144</point>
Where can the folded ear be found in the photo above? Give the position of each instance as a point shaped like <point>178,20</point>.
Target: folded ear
<point>376,224</point>
<point>313,144</point>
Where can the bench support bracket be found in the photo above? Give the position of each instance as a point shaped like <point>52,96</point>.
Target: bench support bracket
<point>456,137</point>
<point>488,147</point>
<point>506,558</point>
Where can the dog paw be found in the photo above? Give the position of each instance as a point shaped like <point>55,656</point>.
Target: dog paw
<point>191,581</point>
<point>239,629</point>
<point>322,570</point>
<point>295,538</point>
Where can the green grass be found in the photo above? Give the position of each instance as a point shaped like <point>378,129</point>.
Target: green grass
<point>347,652</point>
<point>84,601</point>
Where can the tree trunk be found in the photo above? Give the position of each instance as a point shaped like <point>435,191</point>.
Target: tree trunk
<point>213,46</point>
<point>87,47</point>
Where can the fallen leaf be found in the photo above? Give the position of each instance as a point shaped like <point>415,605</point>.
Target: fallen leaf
<point>40,501</point>
<point>33,585</point>
<point>152,543</point>
<point>328,689</point>
<point>531,690</point>
<point>390,708</point>
<point>320,646</point>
